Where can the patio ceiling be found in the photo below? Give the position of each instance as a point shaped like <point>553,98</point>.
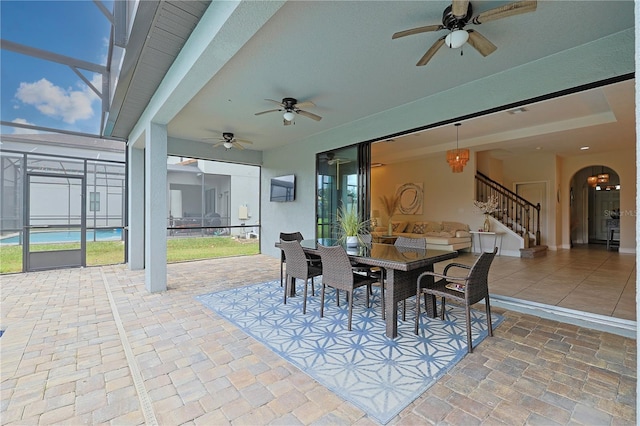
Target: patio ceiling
<point>340,55</point>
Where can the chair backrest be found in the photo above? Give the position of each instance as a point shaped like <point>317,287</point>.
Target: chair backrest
<point>337,270</point>
<point>366,238</point>
<point>419,243</point>
<point>297,265</point>
<point>477,287</point>
<point>289,236</point>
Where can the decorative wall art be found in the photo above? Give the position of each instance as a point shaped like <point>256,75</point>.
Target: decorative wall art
<point>410,195</point>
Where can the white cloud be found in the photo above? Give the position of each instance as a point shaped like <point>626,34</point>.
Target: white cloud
<point>54,101</point>
<point>20,130</point>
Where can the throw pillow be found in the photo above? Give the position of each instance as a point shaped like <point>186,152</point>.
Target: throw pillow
<point>418,228</point>
<point>398,226</point>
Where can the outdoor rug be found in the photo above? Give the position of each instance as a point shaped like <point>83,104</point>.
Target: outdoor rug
<point>379,375</point>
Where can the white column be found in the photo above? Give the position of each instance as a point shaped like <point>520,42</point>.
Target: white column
<point>155,207</point>
<point>135,240</point>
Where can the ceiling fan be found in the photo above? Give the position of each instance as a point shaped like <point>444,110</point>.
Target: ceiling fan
<point>456,16</point>
<point>229,141</point>
<point>331,159</point>
<point>291,107</point>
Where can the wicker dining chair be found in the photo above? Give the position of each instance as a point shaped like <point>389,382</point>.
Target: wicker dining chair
<point>409,243</point>
<point>465,290</point>
<point>338,273</point>
<point>298,267</point>
<point>371,271</point>
<point>293,236</point>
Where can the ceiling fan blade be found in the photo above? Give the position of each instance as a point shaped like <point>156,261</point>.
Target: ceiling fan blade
<point>432,51</point>
<point>275,102</point>
<point>305,104</point>
<point>505,11</point>
<point>270,110</point>
<point>459,8</point>
<point>218,144</point>
<point>243,141</point>
<point>310,115</point>
<point>425,29</point>
<point>237,145</point>
<point>480,43</point>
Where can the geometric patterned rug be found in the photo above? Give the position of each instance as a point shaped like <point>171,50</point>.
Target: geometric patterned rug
<point>379,375</point>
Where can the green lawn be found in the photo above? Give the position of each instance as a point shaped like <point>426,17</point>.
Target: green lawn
<point>110,252</point>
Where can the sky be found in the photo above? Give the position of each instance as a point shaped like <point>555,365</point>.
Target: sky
<point>43,93</point>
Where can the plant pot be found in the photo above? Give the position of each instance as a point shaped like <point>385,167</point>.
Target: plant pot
<point>487,223</point>
<point>352,241</point>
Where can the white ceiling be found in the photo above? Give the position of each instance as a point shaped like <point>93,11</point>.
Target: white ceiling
<point>340,55</point>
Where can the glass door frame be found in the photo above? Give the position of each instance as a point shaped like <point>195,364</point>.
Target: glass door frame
<point>362,153</point>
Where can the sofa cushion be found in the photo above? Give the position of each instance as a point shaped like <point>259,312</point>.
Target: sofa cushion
<point>461,234</point>
<point>452,227</point>
<point>431,226</point>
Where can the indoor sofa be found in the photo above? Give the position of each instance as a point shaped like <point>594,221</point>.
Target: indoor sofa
<point>443,235</point>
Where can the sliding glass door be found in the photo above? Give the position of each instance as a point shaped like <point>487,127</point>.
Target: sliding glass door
<point>342,177</point>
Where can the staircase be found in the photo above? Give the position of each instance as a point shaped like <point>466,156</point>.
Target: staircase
<point>514,212</point>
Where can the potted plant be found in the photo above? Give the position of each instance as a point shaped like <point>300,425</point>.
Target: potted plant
<point>350,227</point>
<point>390,205</point>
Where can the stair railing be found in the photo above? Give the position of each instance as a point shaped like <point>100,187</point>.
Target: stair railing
<point>515,212</point>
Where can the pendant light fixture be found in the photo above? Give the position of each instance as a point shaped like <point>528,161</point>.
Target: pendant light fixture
<point>457,158</point>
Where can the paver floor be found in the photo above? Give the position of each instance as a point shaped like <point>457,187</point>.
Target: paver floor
<point>92,346</point>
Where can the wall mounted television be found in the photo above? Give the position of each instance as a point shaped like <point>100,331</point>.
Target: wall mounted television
<point>283,188</point>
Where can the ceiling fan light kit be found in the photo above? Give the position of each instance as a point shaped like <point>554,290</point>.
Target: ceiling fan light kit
<point>456,39</point>
<point>456,16</point>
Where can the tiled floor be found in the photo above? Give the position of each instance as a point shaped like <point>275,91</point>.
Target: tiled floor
<point>91,346</point>
<point>585,278</point>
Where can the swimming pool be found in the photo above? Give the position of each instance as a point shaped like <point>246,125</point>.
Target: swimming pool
<point>66,236</point>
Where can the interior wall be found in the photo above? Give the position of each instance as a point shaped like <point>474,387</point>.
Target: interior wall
<point>447,195</point>
<point>536,167</point>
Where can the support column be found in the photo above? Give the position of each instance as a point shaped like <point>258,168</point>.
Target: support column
<point>155,207</point>
<point>135,233</point>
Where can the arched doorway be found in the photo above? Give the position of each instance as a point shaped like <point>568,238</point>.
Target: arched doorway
<point>594,204</point>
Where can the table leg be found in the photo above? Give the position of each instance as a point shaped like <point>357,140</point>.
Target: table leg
<point>400,285</point>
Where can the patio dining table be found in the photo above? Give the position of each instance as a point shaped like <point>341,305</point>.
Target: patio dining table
<point>402,266</point>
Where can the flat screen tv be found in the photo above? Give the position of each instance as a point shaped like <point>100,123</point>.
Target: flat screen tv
<point>283,188</point>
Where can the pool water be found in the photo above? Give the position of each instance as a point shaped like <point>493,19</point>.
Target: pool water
<point>66,236</point>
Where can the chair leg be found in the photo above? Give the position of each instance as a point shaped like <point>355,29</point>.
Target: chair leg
<point>417,319</point>
<point>281,272</point>
<point>488,309</point>
<point>286,288</point>
<point>322,301</point>
<point>404,310</point>
<point>350,296</point>
<point>384,314</point>
<point>442,308</point>
<point>304,300</point>
<point>469,343</point>
<point>313,287</point>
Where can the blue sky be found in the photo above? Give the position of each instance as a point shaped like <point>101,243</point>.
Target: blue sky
<point>44,93</point>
